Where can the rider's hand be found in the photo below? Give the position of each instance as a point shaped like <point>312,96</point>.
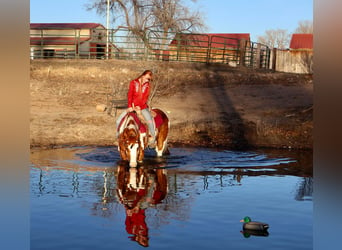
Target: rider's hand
<point>130,109</point>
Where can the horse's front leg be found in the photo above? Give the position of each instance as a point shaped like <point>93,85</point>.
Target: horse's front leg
<point>133,154</point>
<point>143,145</point>
<point>140,155</point>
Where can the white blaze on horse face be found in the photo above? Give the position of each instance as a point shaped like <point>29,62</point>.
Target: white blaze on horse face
<point>133,152</point>
<point>132,178</point>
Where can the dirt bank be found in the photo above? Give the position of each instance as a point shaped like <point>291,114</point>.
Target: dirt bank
<point>208,105</point>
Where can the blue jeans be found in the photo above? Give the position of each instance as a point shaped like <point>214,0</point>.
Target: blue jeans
<point>149,119</point>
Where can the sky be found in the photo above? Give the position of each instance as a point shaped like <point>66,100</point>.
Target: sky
<point>221,16</point>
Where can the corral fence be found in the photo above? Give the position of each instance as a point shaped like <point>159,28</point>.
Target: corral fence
<point>164,46</point>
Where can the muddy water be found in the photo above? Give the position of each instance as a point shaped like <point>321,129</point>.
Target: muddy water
<point>86,198</point>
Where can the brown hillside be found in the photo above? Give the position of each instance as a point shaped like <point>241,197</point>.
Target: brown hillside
<point>208,105</point>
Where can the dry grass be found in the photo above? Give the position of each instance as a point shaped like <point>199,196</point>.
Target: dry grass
<point>201,101</point>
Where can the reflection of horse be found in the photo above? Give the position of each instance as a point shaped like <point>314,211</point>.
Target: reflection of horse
<point>134,184</point>
<point>138,189</point>
<point>133,136</point>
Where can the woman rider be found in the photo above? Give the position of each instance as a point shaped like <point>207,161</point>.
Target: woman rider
<point>138,94</point>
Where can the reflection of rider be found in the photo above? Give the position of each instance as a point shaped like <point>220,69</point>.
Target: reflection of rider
<point>138,94</point>
<point>139,189</point>
<point>136,225</point>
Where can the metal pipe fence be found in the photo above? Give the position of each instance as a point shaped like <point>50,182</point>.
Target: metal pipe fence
<point>154,45</point>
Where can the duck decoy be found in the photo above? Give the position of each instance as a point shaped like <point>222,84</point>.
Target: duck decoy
<point>248,224</point>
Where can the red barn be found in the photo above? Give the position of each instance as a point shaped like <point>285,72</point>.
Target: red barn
<point>66,40</point>
<point>301,41</point>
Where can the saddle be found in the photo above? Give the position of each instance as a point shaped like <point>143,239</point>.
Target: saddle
<point>157,119</point>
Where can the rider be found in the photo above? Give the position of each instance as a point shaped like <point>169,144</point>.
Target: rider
<point>138,93</point>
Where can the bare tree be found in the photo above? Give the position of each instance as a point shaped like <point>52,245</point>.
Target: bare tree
<point>174,16</point>
<point>143,16</point>
<point>304,27</point>
<point>278,38</point>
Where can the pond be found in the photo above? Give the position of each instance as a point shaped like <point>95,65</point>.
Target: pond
<point>194,198</point>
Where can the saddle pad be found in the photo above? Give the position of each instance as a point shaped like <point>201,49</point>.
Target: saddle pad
<point>142,128</point>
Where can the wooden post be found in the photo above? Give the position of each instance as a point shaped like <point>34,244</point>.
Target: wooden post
<point>242,48</point>
<point>274,59</point>
<point>208,50</point>
<point>257,59</point>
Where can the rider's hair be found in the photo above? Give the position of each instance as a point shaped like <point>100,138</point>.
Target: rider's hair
<point>146,72</point>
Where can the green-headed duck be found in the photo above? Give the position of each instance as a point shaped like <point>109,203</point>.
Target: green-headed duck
<point>248,224</point>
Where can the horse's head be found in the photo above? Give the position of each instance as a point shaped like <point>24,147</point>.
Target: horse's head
<point>130,144</point>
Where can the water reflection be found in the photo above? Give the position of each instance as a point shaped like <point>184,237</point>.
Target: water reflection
<point>138,189</point>
<point>304,189</point>
<point>248,233</point>
<point>143,201</point>
<point>40,183</point>
<point>75,182</point>
<point>223,168</point>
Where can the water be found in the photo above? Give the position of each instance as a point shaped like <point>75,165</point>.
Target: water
<point>85,198</point>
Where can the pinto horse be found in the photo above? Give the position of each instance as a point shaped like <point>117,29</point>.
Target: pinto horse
<point>133,136</point>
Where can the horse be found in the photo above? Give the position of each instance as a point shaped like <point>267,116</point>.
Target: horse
<point>133,136</point>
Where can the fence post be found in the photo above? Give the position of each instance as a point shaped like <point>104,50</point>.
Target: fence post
<point>242,48</point>
<point>75,43</point>
<point>178,45</point>
<point>146,40</point>
<point>268,57</point>
<point>78,42</point>
<point>41,44</point>
<point>257,59</point>
<point>274,59</point>
<point>208,59</point>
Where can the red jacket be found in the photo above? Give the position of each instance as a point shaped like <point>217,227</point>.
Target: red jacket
<point>138,94</point>
<point>136,223</point>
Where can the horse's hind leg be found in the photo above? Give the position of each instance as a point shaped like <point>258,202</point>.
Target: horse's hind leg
<point>161,147</point>
<point>161,139</point>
